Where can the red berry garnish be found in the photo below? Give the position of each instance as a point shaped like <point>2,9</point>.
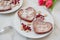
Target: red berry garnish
<point>25,27</point>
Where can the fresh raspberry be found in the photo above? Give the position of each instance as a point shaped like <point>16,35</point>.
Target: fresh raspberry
<point>42,2</point>
<point>49,3</point>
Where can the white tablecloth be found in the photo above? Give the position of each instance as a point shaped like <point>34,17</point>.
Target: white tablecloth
<point>7,19</point>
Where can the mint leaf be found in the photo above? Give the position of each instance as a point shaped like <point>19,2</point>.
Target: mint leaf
<point>54,1</point>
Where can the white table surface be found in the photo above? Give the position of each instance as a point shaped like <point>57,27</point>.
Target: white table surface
<point>7,19</point>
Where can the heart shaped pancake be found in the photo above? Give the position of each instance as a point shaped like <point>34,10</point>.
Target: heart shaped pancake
<point>27,14</point>
<point>41,27</point>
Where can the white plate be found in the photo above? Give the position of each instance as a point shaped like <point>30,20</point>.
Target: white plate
<point>13,9</point>
<point>32,34</point>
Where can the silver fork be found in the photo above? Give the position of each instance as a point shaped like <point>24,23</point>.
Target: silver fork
<point>5,29</point>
